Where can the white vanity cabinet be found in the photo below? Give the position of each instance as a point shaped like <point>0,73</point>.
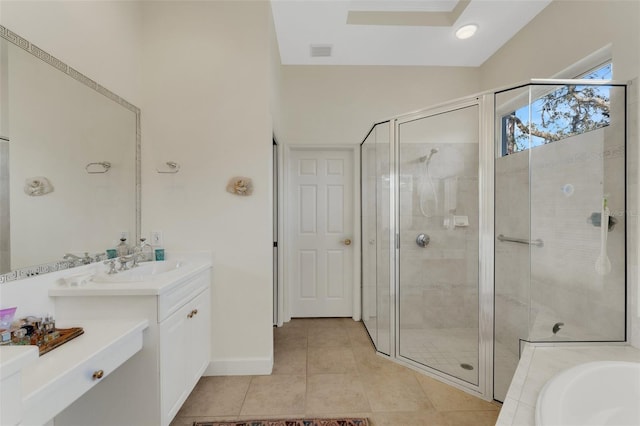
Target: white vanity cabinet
<point>153,385</point>
<point>184,349</point>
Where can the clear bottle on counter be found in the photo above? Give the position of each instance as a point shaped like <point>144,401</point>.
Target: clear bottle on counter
<point>20,337</point>
<point>49,328</point>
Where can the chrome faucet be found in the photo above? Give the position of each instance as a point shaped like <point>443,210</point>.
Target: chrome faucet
<point>133,258</point>
<point>112,266</point>
<point>123,262</point>
<point>86,259</point>
<point>75,260</point>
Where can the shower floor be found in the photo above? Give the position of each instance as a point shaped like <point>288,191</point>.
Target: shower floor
<point>445,350</point>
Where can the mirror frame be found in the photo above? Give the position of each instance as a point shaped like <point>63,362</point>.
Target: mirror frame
<point>34,50</point>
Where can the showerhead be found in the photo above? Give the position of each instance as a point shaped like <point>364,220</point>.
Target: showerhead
<point>426,158</point>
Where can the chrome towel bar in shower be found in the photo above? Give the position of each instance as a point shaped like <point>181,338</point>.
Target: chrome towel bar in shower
<point>537,243</point>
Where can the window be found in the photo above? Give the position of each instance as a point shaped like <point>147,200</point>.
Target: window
<point>565,111</point>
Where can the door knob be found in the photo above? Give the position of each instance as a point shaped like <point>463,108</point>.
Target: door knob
<point>347,242</point>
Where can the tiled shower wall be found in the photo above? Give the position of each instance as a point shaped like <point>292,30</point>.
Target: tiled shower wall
<point>540,286</point>
<point>439,283</point>
<point>549,193</point>
<point>512,286</point>
<point>565,286</point>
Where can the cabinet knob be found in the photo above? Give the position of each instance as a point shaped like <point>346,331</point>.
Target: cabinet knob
<point>190,314</point>
<point>98,374</point>
<point>195,312</point>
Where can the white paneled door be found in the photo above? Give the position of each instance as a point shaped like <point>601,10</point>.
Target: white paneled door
<point>322,206</point>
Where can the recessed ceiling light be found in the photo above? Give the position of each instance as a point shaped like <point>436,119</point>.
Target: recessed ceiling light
<point>466,31</point>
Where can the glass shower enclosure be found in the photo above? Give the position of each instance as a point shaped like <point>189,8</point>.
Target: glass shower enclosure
<point>560,275</point>
<point>481,229</point>
<point>425,180</point>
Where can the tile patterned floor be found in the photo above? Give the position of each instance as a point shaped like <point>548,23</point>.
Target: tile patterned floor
<point>328,368</point>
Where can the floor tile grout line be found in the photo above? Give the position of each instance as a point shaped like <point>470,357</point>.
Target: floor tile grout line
<point>306,375</point>
<point>244,399</point>
<point>360,373</point>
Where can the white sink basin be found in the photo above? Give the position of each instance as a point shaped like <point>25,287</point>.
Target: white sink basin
<point>143,272</point>
<point>596,393</point>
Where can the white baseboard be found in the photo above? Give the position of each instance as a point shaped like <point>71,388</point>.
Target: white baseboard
<point>240,367</point>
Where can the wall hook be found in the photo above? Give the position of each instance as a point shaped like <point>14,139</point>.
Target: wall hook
<point>173,167</point>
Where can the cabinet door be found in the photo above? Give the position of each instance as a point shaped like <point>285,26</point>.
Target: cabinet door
<point>174,341</point>
<point>200,338</point>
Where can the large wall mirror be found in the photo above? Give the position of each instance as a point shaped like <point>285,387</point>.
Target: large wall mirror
<point>69,163</point>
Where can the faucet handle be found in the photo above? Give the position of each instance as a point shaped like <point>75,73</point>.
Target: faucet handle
<point>112,266</point>
<point>123,262</point>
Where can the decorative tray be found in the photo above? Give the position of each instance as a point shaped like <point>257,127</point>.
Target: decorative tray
<point>66,334</point>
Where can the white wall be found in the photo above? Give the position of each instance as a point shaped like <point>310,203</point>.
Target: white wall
<point>561,35</point>
<point>339,104</point>
<point>97,38</point>
<point>205,105</point>
<point>275,84</point>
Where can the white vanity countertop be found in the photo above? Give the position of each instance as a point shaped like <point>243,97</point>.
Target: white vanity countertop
<point>49,383</point>
<point>538,364</point>
<point>155,285</point>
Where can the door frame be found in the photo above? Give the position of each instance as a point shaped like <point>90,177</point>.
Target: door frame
<point>286,227</point>
<point>277,208</point>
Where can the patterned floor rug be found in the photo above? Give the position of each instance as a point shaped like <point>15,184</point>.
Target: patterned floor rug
<point>290,422</point>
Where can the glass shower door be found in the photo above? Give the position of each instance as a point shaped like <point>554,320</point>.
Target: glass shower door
<point>376,240</point>
<point>438,218</point>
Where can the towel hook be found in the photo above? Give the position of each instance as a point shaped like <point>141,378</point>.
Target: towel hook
<point>105,165</point>
<point>173,167</point>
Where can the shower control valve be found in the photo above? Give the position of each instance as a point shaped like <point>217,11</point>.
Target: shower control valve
<point>423,240</point>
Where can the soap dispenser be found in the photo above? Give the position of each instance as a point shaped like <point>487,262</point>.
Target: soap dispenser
<point>122,249</point>
<point>146,250</point>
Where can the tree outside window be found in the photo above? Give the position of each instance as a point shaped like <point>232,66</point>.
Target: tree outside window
<point>564,112</point>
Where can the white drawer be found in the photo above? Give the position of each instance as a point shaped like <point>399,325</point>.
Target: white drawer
<point>45,397</point>
<point>182,293</point>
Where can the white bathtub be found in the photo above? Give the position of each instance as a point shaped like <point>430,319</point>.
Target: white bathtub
<point>596,393</point>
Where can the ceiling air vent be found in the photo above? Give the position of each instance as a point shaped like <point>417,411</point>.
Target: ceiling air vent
<point>320,50</point>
